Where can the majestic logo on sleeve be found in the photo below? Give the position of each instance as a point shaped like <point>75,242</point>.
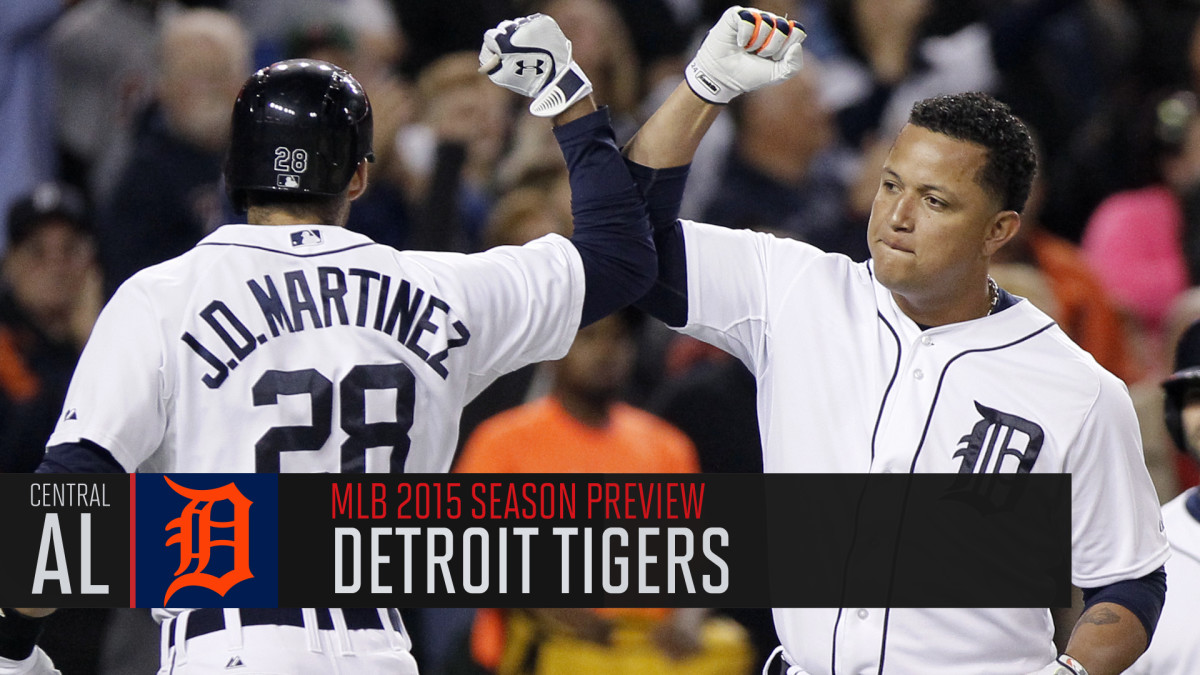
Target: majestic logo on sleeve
<point>196,542</point>
<point>998,437</point>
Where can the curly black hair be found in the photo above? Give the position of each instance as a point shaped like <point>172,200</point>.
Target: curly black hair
<point>978,118</point>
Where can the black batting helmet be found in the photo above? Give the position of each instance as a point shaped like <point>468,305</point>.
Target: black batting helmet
<point>300,126</point>
<point>1186,376</point>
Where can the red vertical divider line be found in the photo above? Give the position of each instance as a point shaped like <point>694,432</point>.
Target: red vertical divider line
<point>132,540</point>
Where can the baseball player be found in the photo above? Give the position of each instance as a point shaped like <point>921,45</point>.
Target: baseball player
<point>1175,649</point>
<point>291,344</point>
<point>914,361</point>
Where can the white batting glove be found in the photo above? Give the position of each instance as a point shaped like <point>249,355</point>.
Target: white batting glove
<point>1063,665</point>
<point>747,49</point>
<point>532,57</point>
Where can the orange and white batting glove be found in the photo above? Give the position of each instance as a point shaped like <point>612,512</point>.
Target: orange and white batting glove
<point>747,49</point>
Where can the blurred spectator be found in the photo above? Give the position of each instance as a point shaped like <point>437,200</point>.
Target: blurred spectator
<point>1133,239</point>
<point>1174,649</point>
<point>273,23</point>
<point>660,31</point>
<point>1172,471</point>
<point>714,402</point>
<point>1077,299</point>
<point>1167,32</point>
<point>103,53</point>
<point>789,182</point>
<point>459,27</point>
<point>896,52</point>
<point>602,46</point>
<point>169,195</point>
<point>1066,69</point>
<point>27,156</point>
<point>526,213</point>
<point>451,156</point>
<point>50,299</point>
<point>583,428</point>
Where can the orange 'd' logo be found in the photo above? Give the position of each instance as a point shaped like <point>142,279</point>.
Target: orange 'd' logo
<point>195,525</point>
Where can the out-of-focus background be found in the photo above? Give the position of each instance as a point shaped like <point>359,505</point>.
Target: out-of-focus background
<point>115,124</point>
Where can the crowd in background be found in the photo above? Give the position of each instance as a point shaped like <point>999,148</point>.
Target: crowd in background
<point>116,122</point>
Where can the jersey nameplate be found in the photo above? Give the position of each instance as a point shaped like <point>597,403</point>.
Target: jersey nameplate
<point>353,297</point>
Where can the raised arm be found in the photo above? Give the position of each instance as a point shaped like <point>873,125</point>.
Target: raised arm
<point>746,50</point>
<point>672,134</point>
<point>532,57</point>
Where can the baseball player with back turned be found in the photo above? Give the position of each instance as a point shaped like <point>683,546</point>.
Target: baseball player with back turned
<point>1175,649</point>
<point>290,344</point>
<point>911,362</point>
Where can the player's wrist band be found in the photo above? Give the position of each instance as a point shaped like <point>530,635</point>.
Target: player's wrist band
<point>1071,664</point>
<point>705,87</point>
<point>18,633</point>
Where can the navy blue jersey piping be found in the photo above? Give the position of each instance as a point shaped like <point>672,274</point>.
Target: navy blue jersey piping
<point>288,253</point>
<point>861,495</point>
<point>887,614</point>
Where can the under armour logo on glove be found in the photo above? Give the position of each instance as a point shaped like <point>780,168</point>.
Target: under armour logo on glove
<point>512,57</point>
<point>536,67</point>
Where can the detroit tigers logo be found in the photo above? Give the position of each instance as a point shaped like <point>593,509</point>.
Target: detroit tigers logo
<point>536,67</point>
<point>196,542</point>
<point>999,435</point>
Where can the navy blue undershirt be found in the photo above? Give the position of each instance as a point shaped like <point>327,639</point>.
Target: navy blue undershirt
<point>611,232</point>
<point>663,192</point>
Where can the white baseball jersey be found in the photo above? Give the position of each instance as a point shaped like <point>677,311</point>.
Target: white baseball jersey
<point>1175,649</point>
<point>313,349</point>
<point>848,383</point>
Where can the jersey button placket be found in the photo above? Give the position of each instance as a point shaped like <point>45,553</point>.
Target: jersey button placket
<point>858,642</point>
<point>925,341</point>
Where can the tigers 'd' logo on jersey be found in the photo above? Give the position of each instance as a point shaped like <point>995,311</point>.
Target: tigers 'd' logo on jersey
<point>196,538</point>
<point>997,437</point>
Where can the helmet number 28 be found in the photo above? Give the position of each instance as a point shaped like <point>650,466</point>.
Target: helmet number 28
<point>291,160</point>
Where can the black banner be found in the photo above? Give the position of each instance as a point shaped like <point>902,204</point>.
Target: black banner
<point>545,540</point>
<point>584,540</point>
<point>66,540</point>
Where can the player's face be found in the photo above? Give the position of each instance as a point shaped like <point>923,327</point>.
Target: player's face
<point>932,224</point>
<point>1190,419</point>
